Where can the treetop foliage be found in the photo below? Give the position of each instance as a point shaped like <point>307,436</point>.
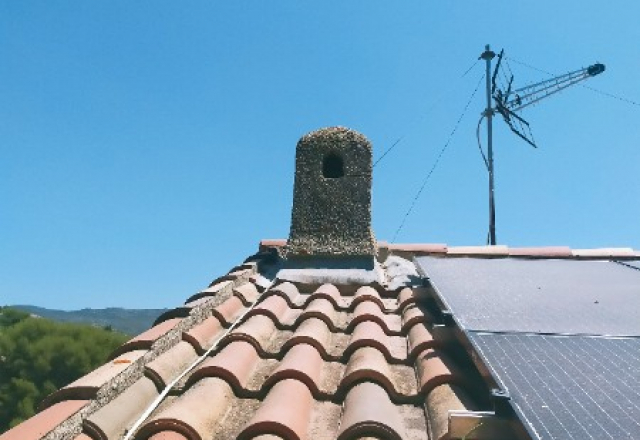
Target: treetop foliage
<point>38,356</point>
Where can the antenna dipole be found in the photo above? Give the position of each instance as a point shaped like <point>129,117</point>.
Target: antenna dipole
<point>508,102</point>
<point>488,55</point>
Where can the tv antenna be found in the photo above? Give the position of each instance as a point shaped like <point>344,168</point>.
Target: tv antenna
<point>507,102</point>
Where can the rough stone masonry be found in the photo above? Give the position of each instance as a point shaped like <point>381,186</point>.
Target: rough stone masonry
<point>331,213</point>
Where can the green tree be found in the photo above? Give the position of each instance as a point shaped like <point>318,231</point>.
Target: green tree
<point>38,356</point>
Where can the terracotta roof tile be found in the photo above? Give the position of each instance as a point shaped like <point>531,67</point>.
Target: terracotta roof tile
<point>312,331</point>
<point>497,250</point>
<point>44,421</point>
<point>285,369</point>
<point>302,362</point>
<point>419,248</point>
<point>367,293</point>
<point>321,308</point>
<point>146,339</point>
<point>413,315</point>
<point>369,412</point>
<point>87,386</point>
<point>288,291</point>
<point>271,243</point>
<point>168,435</point>
<point>234,364</point>
<point>115,417</point>
<point>439,402</point>
<point>229,310</point>
<point>434,368</point>
<point>189,415</point>
<point>257,330</point>
<point>203,335</point>
<point>213,290</point>
<point>275,307</point>
<point>328,291</point>
<point>371,334</point>
<point>406,297</point>
<point>247,292</point>
<point>369,364</point>
<point>285,412</point>
<point>166,367</point>
<point>544,252</point>
<point>370,311</point>
<point>420,338</point>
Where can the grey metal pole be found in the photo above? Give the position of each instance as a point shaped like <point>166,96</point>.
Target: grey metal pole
<point>488,55</point>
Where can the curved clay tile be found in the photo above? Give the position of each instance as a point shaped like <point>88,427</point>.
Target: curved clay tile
<point>44,421</point>
<point>542,252</point>
<point>369,412</point>
<point>247,292</point>
<point>304,363</point>
<point>368,364</point>
<point>312,331</point>
<point>115,417</point>
<point>419,339</point>
<point>233,364</point>
<point>204,335</point>
<point>195,414</point>
<point>329,292</point>
<point>256,330</point>
<point>163,369</point>
<point>370,334</point>
<point>320,308</point>
<point>285,412</point>
<point>369,311</point>
<point>88,385</point>
<point>178,312</point>
<point>168,435</point>
<point>413,315</point>
<point>229,310</point>
<point>435,368</point>
<point>439,402</point>
<point>198,302</point>
<point>145,340</point>
<point>211,291</point>
<point>367,293</point>
<point>287,290</point>
<point>405,297</point>
<point>274,306</point>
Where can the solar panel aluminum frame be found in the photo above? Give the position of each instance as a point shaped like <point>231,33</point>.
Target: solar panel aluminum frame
<point>499,396</point>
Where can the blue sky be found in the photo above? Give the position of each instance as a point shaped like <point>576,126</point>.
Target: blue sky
<point>147,147</point>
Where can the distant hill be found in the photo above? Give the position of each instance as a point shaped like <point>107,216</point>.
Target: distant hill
<point>129,321</point>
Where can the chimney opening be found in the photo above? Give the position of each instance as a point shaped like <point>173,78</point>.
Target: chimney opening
<point>332,166</point>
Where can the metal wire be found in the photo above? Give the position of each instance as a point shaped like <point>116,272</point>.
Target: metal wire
<point>158,400</point>
<point>433,106</point>
<point>435,165</point>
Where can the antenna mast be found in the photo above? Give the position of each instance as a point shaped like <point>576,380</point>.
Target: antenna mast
<point>509,101</point>
<point>488,55</point>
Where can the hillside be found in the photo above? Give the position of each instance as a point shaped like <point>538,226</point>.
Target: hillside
<point>129,321</point>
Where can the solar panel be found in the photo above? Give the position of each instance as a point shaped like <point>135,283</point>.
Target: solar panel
<point>539,296</point>
<point>568,387</point>
<point>560,337</point>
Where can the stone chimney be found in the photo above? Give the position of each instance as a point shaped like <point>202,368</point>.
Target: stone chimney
<point>331,214</point>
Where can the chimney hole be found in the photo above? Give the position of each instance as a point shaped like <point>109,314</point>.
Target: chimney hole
<point>332,166</point>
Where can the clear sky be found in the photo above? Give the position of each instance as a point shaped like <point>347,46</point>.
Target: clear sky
<point>147,147</point>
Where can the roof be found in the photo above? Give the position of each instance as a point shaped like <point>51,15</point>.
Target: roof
<point>273,359</point>
<point>330,334</point>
